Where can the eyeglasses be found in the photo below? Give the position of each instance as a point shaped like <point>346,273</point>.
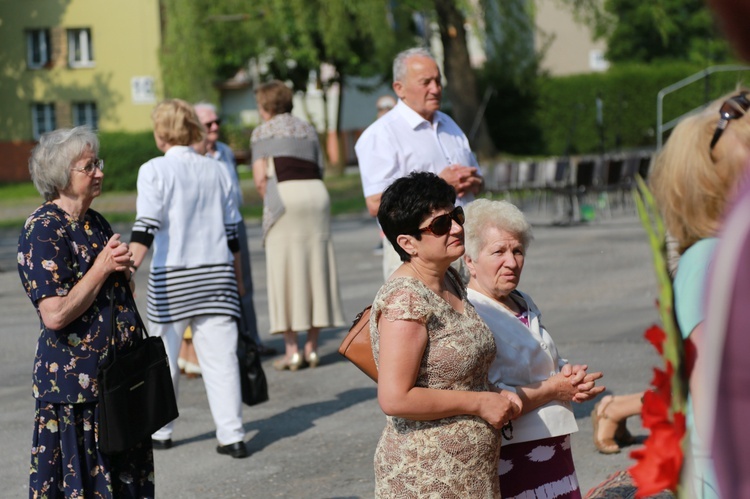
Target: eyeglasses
<point>210,123</point>
<point>91,166</point>
<point>442,224</point>
<point>733,108</point>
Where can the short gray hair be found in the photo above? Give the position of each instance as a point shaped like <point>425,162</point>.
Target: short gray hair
<point>484,214</point>
<point>52,158</point>
<point>205,105</point>
<point>399,63</point>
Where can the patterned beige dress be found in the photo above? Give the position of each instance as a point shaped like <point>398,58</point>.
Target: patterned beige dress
<point>449,457</point>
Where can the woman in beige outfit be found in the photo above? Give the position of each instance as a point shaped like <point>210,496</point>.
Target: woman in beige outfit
<point>303,292</point>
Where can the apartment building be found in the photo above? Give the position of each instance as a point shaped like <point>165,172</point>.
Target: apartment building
<point>74,62</point>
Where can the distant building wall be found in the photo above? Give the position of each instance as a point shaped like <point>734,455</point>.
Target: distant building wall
<point>573,49</point>
<point>72,62</point>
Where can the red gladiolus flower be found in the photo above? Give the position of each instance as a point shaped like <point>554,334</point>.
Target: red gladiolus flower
<point>656,336</point>
<point>660,461</point>
<point>655,410</point>
<point>662,382</point>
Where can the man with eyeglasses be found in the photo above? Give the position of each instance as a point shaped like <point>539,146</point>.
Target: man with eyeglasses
<point>415,136</point>
<point>219,150</point>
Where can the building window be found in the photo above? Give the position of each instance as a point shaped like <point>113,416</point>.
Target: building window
<point>80,49</point>
<point>84,113</point>
<point>38,48</point>
<point>42,119</point>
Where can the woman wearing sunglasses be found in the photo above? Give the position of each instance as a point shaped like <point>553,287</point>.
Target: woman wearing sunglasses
<point>697,171</point>
<point>442,436</point>
<point>527,360</point>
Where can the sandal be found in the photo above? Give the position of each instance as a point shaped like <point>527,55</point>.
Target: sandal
<point>606,445</point>
<point>293,364</point>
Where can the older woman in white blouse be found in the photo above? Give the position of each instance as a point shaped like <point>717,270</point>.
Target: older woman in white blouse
<point>538,457</point>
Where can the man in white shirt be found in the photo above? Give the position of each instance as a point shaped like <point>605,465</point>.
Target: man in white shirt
<point>219,150</point>
<point>415,136</point>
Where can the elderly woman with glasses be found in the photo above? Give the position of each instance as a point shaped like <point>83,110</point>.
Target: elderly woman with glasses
<point>70,260</point>
<point>693,176</point>
<point>537,460</point>
<point>442,436</point>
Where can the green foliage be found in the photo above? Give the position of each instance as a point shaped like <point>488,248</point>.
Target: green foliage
<point>236,135</point>
<point>187,63</point>
<point>17,190</point>
<point>292,38</point>
<point>123,154</point>
<point>664,30</point>
<point>511,113</point>
<point>567,105</point>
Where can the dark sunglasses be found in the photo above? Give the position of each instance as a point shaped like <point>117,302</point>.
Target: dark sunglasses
<point>441,225</point>
<point>210,123</point>
<point>733,108</point>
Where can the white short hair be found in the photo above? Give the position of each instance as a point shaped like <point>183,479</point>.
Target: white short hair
<point>54,155</point>
<point>483,214</point>
<point>204,105</point>
<point>399,63</point>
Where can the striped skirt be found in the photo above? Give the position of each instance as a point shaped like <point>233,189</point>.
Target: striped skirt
<point>176,294</point>
<point>540,469</point>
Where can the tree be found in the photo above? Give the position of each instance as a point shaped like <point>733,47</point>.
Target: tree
<point>664,30</point>
<point>187,62</point>
<point>462,81</point>
<point>294,39</point>
<point>637,31</point>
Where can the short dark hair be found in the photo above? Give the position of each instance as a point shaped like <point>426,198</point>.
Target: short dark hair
<point>408,201</point>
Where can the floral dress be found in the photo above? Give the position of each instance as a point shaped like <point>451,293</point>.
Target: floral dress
<point>55,250</point>
<point>453,457</point>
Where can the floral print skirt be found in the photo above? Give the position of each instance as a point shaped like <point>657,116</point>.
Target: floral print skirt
<point>66,462</point>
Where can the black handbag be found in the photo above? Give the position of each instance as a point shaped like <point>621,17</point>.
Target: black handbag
<point>252,378</point>
<point>136,395</point>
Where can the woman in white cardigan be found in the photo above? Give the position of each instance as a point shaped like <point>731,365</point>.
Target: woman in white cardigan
<point>537,456</point>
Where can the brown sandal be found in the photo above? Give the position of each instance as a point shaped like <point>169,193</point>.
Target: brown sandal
<point>606,445</point>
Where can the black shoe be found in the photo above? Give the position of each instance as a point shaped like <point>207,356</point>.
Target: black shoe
<point>237,450</point>
<point>161,444</point>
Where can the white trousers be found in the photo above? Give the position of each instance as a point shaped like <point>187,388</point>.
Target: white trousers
<point>215,340</point>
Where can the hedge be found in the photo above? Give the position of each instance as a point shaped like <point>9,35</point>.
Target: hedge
<point>123,154</point>
<point>566,107</point>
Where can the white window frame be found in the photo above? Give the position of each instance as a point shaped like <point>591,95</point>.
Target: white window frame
<point>80,48</point>
<point>85,113</point>
<point>37,39</point>
<point>42,118</point>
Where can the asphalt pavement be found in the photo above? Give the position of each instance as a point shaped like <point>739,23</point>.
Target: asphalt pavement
<point>316,436</point>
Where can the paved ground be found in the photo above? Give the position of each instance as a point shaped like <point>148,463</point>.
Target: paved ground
<point>315,438</point>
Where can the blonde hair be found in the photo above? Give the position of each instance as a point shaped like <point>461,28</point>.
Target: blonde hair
<point>483,214</point>
<point>691,183</point>
<point>176,123</point>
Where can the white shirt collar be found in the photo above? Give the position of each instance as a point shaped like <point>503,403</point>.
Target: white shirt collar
<point>413,118</point>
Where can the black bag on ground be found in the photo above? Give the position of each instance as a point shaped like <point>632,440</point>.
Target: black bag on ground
<point>136,396</point>
<point>252,378</point>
